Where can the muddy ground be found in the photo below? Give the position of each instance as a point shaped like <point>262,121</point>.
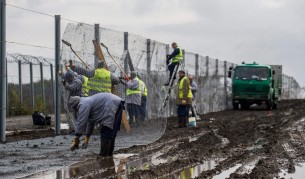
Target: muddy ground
<point>230,144</point>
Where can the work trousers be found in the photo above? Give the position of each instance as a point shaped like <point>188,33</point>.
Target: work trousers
<point>143,108</point>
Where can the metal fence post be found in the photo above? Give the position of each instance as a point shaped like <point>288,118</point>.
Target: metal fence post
<point>207,65</point>
<point>216,72</point>
<point>148,75</point>
<point>97,38</point>
<point>57,58</point>
<point>225,84</point>
<point>52,86</point>
<point>125,48</point>
<point>196,67</point>
<point>32,85</point>
<point>42,85</point>
<point>183,59</point>
<point>3,70</point>
<point>20,83</point>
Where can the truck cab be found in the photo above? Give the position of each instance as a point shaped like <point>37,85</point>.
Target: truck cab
<point>255,84</point>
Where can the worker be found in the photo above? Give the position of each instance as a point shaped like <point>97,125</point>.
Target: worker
<point>100,79</point>
<point>143,89</point>
<point>183,99</point>
<point>172,60</point>
<point>194,87</point>
<point>133,98</point>
<point>102,108</point>
<point>72,83</point>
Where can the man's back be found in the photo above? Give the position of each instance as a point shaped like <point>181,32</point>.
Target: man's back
<point>100,107</point>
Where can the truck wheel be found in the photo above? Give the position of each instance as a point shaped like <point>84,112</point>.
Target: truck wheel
<point>245,106</point>
<point>274,106</point>
<point>269,105</point>
<point>235,106</point>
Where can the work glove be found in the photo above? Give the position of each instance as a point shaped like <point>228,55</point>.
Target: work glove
<point>167,57</point>
<point>67,67</point>
<point>85,142</point>
<point>63,82</point>
<point>75,143</point>
<point>71,64</point>
<point>183,102</point>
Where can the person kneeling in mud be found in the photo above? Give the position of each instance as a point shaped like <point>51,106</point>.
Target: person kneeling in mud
<point>103,108</point>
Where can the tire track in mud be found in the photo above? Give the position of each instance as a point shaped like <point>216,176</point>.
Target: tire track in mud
<point>256,138</point>
<point>245,144</point>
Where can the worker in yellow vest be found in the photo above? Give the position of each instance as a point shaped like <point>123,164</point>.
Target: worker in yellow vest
<point>99,79</point>
<point>143,89</point>
<point>133,98</point>
<point>172,60</point>
<point>183,99</point>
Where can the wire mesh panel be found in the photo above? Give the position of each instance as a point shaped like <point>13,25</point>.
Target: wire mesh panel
<point>190,63</point>
<point>80,37</point>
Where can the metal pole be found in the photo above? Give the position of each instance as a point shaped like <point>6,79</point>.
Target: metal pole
<point>148,68</point>
<point>183,59</point>
<point>148,65</point>
<point>3,70</point>
<point>170,104</point>
<point>20,83</point>
<point>125,40</point>
<point>32,85</point>
<point>216,67</point>
<point>196,67</point>
<point>125,48</point>
<point>7,93</point>
<point>52,86</point>
<point>42,86</point>
<point>207,65</point>
<point>97,38</point>
<point>225,84</point>
<point>57,87</point>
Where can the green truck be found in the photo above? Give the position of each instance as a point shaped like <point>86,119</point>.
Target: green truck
<point>255,84</point>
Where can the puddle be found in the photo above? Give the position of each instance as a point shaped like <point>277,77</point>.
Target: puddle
<point>145,163</point>
<point>298,174</point>
<point>192,139</point>
<point>95,168</point>
<point>226,173</point>
<point>195,171</point>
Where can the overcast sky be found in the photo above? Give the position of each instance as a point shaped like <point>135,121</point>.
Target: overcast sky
<point>265,31</point>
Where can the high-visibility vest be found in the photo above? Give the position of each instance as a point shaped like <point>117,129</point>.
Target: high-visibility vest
<point>101,81</point>
<point>134,91</point>
<point>143,88</point>
<point>180,89</point>
<point>85,87</point>
<point>179,57</point>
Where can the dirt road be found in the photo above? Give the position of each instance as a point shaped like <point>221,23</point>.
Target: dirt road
<point>228,144</point>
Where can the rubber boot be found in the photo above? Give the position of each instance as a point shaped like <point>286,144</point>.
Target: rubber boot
<point>185,120</point>
<point>180,122</point>
<point>75,144</point>
<point>85,142</point>
<point>111,149</point>
<point>105,147</point>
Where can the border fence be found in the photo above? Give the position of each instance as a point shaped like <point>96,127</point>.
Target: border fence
<point>31,79</point>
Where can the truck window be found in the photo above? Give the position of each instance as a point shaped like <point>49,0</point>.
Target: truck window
<point>253,73</point>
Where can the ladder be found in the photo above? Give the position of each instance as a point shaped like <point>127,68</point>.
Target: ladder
<point>167,95</point>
